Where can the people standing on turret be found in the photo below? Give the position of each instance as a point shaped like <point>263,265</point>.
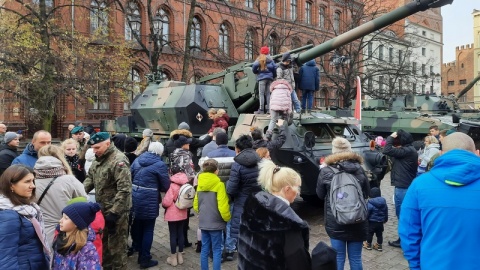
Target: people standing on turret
<point>309,83</point>
<point>285,71</point>
<point>265,69</point>
<point>280,102</point>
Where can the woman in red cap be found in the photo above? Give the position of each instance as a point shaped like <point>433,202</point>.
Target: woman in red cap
<point>265,69</point>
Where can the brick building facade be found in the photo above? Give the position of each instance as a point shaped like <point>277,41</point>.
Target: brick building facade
<point>457,74</point>
<point>224,33</point>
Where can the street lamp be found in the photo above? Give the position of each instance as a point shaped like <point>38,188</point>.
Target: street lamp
<point>338,61</point>
<point>135,25</point>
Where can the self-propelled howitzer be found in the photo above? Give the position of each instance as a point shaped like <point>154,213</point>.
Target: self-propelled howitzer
<point>161,107</point>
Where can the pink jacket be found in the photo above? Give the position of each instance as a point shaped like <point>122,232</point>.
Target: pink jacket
<point>280,97</point>
<point>172,213</point>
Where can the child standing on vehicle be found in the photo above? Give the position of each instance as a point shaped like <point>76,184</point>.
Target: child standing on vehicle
<point>174,216</point>
<point>285,71</point>
<point>220,119</point>
<point>265,69</point>
<point>377,216</point>
<point>211,201</point>
<point>73,247</point>
<point>280,102</point>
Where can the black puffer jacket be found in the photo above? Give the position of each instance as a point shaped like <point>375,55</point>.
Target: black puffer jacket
<point>273,144</point>
<point>350,162</point>
<point>404,160</point>
<point>242,183</point>
<point>272,235</point>
<point>7,155</point>
<point>194,145</point>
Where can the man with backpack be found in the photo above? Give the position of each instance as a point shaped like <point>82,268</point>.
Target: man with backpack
<point>343,183</point>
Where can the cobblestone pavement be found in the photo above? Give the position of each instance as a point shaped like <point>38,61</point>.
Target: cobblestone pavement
<point>390,258</point>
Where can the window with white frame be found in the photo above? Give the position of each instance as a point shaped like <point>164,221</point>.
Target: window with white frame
<point>133,88</point>
<point>195,34</point>
<point>321,17</point>
<point>249,3</point>
<point>223,39</point>
<point>336,22</point>
<point>272,7</point>
<point>293,10</point>
<point>308,12</point>
<point>249,45</point>
<point>272,44</point>
<point>133,21</point>
<point>161,26</point>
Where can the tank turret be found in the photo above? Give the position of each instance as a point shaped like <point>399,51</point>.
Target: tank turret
<point>161,107</point>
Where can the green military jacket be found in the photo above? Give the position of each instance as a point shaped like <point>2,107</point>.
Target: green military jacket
<point>111,178</point>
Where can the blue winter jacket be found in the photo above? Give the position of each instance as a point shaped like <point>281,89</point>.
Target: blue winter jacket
<point>377,209</point>
<point>242,183</point>
<point>150,177</point>
<point>440,215</point>
<point>28,157</point>
<point>19,244</point>
<point>268,74</point>
<point>309,76</point>
<point>222,151</point>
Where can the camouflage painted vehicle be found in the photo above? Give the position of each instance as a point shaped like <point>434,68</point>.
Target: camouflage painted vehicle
<point>162,106</point>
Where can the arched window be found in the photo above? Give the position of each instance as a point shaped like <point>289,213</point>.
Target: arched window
<point>249,45</point>
<point>272,4</point>
<point>336,22</point>
<point>223,39</point>
<point>321,17</point>
<point>195,34</point>
<point>161,26</point>
<point>273,44</point>
<point>293,9</point>
<point>308,12</point>
<point>134,18</point>
<point>296,43</point>
<point>98,17</point>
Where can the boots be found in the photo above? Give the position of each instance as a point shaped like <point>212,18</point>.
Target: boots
<point>179,258</point>
<point>172,260</point>
<point>148,264</point>
<point>199,247</point>
<point>378,247</point>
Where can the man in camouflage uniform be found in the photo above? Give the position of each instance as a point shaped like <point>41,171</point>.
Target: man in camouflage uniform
<point>110,175</point>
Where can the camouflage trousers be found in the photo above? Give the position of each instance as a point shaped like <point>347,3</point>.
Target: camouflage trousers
<point>115,245</point>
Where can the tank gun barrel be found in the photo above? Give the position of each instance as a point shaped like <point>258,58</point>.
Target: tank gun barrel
<point>369,27</point>
<point>468,87</point>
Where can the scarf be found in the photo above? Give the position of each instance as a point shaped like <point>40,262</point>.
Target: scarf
<point>59,244</point>
<point>32,213</point>
<point>49,173</point>
<point>72,161</point>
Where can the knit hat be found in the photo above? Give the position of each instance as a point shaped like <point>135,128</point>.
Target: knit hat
<point>184,125</point>
<point>99,137</point>
<point>130,144</point>
<point>340,145</point>
<point>156,148</point>
<point>221,139</point>
<point>147,132</point>
<point>82,213</point>
<point>375,192</point>
<point>119,141</point>
<point>9,136</point>
<point>76,130</point>
<point>264,50</point>
<point>77,200</point>
<point>286,57</point>
<point>180,140</point>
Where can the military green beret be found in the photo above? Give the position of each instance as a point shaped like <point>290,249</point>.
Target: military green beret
<point>76,130</point>
<point>99,137</point>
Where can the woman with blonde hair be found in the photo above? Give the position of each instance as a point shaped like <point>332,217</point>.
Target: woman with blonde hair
<point>263,153</point>
<point>24,244</point>
<point>70,148</point>
<point>432,148</point>
<point>55,184</point>
<point>271,233</point>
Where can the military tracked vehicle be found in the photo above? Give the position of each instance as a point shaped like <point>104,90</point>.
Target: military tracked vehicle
<point>162,106</point>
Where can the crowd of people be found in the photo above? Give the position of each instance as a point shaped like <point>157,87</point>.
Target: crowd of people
<point>242,200</point>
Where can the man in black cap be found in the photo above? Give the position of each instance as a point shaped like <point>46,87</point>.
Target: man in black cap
<point>8,150</point>
<point>110,175</point>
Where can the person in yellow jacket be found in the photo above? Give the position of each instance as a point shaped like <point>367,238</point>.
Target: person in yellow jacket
<point>211,202</point>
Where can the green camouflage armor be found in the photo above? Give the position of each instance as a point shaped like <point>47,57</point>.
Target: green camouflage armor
<point>111,178</point>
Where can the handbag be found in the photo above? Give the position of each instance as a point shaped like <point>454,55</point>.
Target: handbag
<point>45,191</point>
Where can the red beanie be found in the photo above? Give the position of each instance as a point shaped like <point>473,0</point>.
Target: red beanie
<point>264,50</point>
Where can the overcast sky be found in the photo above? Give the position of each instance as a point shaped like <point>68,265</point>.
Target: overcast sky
<point>457,26</point>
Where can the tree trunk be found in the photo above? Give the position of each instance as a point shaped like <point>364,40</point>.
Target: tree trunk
<point>187,54</point>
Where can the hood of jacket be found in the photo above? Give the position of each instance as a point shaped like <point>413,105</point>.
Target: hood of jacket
<point>310,63</point>
<point>456,168</point>
<point>281,83</point>
<point>339,157</point>
<point>30,150</point>
<point>209,181</point>
<point>47,163</point>
<point>433,145</point>
<point>375,192</point>
<point>146,159</point>
<point>184,132</point>
<point>378,202</point>
<point>247,157</point>
<point>89,155</point>
<point>405,137</point>
<point>266,213</point>
<point>179,178</point>
<point>91,235</point>
<point>119,141</point>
